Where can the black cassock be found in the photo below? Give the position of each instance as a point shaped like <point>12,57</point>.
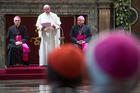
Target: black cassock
<point>15,52</point>
<point>77,30</point>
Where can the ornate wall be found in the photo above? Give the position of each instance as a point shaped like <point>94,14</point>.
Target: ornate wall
<point>136,25</point>
<point>61,7</point>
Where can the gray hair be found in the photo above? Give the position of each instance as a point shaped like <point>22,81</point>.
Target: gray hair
<point>17,17</point>
<point>46,5</point>
<point>81,17</point>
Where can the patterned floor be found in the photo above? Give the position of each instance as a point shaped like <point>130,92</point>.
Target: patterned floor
<point>37,86</point>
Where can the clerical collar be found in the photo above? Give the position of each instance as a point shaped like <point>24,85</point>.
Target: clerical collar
<point>81,26</point>
<point>47,13</point>
<point>17,26</point>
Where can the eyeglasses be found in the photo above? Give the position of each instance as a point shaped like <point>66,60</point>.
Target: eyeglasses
<point>17,20</point>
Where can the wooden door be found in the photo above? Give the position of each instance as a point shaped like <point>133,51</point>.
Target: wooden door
<point>104,19</point>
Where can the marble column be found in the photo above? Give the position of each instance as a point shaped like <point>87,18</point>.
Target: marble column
<point>2,41</point>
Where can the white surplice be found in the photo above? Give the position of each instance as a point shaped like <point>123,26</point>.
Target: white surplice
<point>49,37</point>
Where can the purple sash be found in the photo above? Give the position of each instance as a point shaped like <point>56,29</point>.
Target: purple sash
<point>84,46</point>
<point>80,37</point>
<point>25,51</point>
<point>25,48</point>
<point>18,38</point>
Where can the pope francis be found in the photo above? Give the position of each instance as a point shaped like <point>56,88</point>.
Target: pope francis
<point>48,24</point>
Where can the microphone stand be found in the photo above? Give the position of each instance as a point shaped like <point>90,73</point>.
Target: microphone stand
<point>61,36</point>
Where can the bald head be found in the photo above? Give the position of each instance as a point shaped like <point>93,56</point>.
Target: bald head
<point>46,9</point>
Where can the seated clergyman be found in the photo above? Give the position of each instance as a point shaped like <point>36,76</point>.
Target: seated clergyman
<point>18,50</point>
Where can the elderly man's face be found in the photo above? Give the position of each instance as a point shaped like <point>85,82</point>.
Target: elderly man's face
<point>47,9</point>
<point>17,21</point>
<point>80,22</point>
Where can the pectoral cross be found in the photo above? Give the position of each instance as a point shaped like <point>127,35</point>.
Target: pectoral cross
<point>17,37</point>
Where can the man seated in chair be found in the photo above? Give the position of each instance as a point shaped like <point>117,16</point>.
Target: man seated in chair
<point>80,34</point>
<point>18,50</point>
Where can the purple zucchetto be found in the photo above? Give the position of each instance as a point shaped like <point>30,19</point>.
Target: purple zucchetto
<point>17,18</point>
<point>113,62</point>
<point>81,17</point>
<point>118,55</point>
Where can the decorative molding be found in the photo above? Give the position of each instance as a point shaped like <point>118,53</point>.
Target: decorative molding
<point>136,14</point>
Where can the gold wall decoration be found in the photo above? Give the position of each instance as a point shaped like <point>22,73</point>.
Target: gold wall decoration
<point>35,40</point>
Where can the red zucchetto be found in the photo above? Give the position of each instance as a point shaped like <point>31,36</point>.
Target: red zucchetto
<point>67,61</point>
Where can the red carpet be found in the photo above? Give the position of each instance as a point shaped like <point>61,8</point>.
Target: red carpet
<point>16,73</point>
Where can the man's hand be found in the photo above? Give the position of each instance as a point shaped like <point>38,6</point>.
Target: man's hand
<point>54,26</point>
<point>81,42</point>
<point>43,27</point>
<point>18,43</point>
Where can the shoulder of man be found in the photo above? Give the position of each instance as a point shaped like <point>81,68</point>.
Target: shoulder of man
<point>41,14</point>
<point>11,27</point>
<point>86,26</point>
<point>22,26</point>
<point>53,14</point>
<point>75,27</point>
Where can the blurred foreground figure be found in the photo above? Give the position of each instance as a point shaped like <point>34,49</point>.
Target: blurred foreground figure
<point>65,66</point>
<point>113,62</point>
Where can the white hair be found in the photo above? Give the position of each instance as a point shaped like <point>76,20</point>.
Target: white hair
<point>81,17</point>
<point>17,17</point>
<point>46,5</point>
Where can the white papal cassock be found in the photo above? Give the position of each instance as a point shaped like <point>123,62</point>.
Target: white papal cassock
<point>49,37</point>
